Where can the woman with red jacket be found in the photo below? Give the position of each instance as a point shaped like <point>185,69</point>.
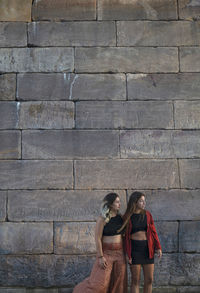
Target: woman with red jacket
<point>141,241</point>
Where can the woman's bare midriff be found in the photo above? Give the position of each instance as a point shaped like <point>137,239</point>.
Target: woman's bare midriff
<point>112,239</point>
<point>140,235</point>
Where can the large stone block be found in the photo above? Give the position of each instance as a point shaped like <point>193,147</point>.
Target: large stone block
<point>168,235</point>
<point>72,34</point>
<point>156,86</point>
<point>7,87</point>
<point>189,237</point>
<point>146,114</point>
<point>159,144</point>
<point>62,144</point>
<point>189,173</point>
<point>10,145</point>
<point>36,59</point>
<point>187,114</point>
<point>64,10</point>
<point>9,115</point>
<point>43,205</point>
<point>173,205</point>
<point>131,10</point>
<point>188,289</point>
<point>74,238</point>
<point>42,290</point>
<point>3,205</point>
<point>126,174</point>
<point>26,238</point>
<point>190,59</point>
<point>158,33</point>
<point>36,174</point>
<point>189,9</point>
<point>13,34</point>
<point>138,59</point>
<point>46,114</point>
<point>12,290</point>
<point>15,10</point>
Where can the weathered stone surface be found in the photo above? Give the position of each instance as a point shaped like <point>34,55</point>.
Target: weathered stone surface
<point>42,290</point>
<point>158,33</point>
<point>168,235</point>
<point>62,144</point>
<point>189,289</point>
<point>170,205</point>
<point>7,87</point>
<point>131,10</point>
<point>156,86</point>
<point>147,60</point>
<point>51,205</point>
<point>9,115</point>
<point>189,173</point>
<point>13,34</point>
<point>190,59</point>
<point>64,10</point>
<point>189,9</point>
<point>159,144</point>
<point>3,199</point>
<point>187,114</point>
<point>46,114</point>
<point>72,34</point>
<point>65,290</point>
<point>74,238</point>
<point>12,290</point>
<point>126,174</point>
<point>36,59</point>
<point>15,10</point>
<point>36,174</point>
<point>146,114</point>
<point>189,237</point>
<point>10,144</point>
<point>26,238</point>
<point>163,290</point>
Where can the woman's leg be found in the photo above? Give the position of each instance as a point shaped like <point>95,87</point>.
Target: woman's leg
<point>135,278</point>
<point>148,270</point>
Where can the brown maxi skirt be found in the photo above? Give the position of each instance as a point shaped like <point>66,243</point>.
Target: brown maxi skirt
<point>113,279</point>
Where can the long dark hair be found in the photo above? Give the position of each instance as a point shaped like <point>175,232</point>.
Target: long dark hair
<point>107,205</point>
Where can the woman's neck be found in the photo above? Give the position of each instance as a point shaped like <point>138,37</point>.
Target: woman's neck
<point>113,213</point>
<point>137,211</point>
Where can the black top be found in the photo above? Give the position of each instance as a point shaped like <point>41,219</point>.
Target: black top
<point>139,223</point>
<point>115,223</point>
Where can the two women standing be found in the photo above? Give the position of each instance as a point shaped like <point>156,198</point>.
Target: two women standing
<point>109,271</point>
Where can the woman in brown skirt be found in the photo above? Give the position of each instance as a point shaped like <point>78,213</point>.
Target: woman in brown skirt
<point>109,271</point>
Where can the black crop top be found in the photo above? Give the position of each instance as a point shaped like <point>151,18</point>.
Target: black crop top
<point>115,223</point>
<point>139,223</point>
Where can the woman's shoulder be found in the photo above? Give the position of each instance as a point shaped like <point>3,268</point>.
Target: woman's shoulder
<point>148,213</point>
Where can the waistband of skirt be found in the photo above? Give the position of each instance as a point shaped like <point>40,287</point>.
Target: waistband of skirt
<point>112,246</point>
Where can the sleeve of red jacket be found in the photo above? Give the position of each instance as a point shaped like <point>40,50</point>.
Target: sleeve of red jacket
<point>155,235</point>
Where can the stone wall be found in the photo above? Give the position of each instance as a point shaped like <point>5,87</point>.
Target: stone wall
<point>97,95</point>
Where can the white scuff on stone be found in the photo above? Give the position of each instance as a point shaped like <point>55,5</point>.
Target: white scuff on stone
<point>71,86</point>
<point>138,75</point>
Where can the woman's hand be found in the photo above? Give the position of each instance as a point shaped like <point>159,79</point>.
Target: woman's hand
<point>159,253</point>
<point>103,263</point>
<point>129,260</point>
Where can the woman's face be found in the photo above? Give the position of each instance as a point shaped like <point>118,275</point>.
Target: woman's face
<point>116,204</point>
<point>141,203</point>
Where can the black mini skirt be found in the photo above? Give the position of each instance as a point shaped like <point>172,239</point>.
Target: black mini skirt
<point>140,252</point>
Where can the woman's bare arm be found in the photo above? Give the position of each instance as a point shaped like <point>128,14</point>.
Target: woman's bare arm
<point>98,236</point>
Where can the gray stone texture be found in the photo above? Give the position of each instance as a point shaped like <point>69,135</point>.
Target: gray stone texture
<point>156,86</point>
<point>26,238</point>
<point>126,174</point>
<point>3,205</point>
<point>187,114</point>
<point>9,115</point>
<point>15,10</point>
<point>36,59</point>
<point>42,290</point>
<point>44,205</point>
<point>74,238</point>
<point>120,59</point>
<point>36,174</point>
<point>13,34</point>
<point>190,59</point>
<point>7,87</point>
<point>12,290</point>
<point>189,236</point>
<point>10,144</point>
<point>158,33</point>
<point>64,10</point>
<point>70,144</point>
<point>189,9</point>
<point>119,115</point>
<point>189,173</point>
<point>58,34</point>
<point>189,289</point>
<point>46,115</point>
<point>133,10</point>
<point>159,144</point>
<point>168,235</point>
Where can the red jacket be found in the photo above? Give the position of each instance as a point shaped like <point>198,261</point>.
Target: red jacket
<point>152,237</point>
